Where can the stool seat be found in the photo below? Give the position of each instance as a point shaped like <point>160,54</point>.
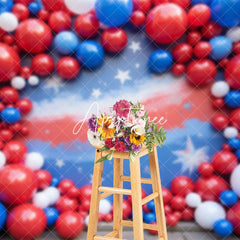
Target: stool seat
<point>100,192</point>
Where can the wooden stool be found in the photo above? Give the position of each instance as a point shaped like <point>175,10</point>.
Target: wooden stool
<point>99,192</point>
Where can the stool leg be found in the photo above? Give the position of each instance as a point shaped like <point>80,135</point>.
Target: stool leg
<point>156,185</point>
<point>136,199</point>
<point>117,198</point>
<point>95,198</point>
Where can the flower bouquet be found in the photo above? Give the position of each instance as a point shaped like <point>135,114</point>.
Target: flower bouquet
<point>126,129</point>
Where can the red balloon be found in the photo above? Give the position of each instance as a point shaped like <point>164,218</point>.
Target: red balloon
<point>15,151</point>
<point>236,48</point>
<point>59,21</point>
<point>65,185</point>
<point>205,169</point>
<point>172,220</point>
<point>178,214</point>
<point>69,224</point>
<point>68,67</point>
<point>153,232</point>
<point>166,23</point>
<point>137,18</point>
<point>20,11</point>
<point>73,192</point>
<point>201,72</point>
<point>182,52</point>
<point>65,204</point>
<point>9,62</point>
<point>24,131</point>
<point>44,178</point>
<point>33,35</point>
<point>85,192</point>
<point>199,15</point>
<point>182,185</point>
<point>85,205</point>
<point>220,121</point>
<point>17,184</point>
<point>6,135</point>
<point>8,39</point>
<point>24,105</point>
<point>178,203</point>
<point>127,209</point>
<point>224,162</point>
<point>26,222</point>
<point>53,5</point>
<point>87,25</point>
<point>84,214</point>
<point>167,209</point>
<point>9,95</point>
<point>235,118</point>
<point>193,37</point>
<point>178,69</point>
<point>226,147</point>
<point>142,5</point>
<point>211,29</point>
<point>108,217</point>
<point>43,14</point>
<point>223,62</point>
<point>25,72</point>
<point>233,216</point>
<point>218,102</point>
<point>187,214</point>
<point>210,188</point>
<point>25,2</point>
<point>182,3</point>
<point>146,209</point>
<point>167,195</point>
<point>202,49</point>
<point>114,40</point>
<point>232,72</point>
<point>16,127</point>
<point>43,64</point>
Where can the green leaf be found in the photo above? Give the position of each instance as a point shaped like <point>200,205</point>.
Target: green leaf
<point>132,156</point>
<point>107,157</point>
<point>104,148</point>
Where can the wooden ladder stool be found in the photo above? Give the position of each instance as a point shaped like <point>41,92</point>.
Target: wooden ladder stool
<point>99,192</point>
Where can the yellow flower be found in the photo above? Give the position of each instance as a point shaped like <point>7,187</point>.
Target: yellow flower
<point>137,139</point>
<point>104,122</point>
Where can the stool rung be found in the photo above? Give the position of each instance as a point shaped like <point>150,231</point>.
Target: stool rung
<point>104,195</point>
<point>143,180</point>
<point>145,225</point>
<point>107,238</point>
<point>112,234</point>
<point>115,190</point>
<point>149,198</point>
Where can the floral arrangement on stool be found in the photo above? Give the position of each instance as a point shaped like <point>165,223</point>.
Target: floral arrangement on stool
<point>125,129</point>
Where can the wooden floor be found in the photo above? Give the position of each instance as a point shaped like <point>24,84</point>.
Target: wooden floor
<point>184,231</point>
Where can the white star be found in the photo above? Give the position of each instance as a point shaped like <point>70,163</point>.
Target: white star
<point>137,65</point>
<point>80,169</point>
<point>96,92</point>
<point>123,76</point>
<point>53,83</point>
<point>135,46</point>
<point>59,163</point>
<point>190,158</point>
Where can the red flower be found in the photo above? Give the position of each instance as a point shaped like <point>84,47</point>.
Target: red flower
<point>120,147</point>
<point>109,143</point>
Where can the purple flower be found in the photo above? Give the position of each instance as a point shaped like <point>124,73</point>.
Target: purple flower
<point>136,148</point>
<point>127,140</point>
<point>127,148</point>
<point>92,124</point>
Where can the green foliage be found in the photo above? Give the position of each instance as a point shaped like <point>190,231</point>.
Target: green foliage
<point>107,157</point>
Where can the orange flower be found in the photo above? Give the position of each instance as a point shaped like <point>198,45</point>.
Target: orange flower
<point>104,129</point>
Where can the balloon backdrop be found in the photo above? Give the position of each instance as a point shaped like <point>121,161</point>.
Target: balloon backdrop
<point>228,198</point>
<point>232,72</point>
<point>79,6</point>
<point>51,215</point>
<point>233,216</point>
<point>3,215</point>
<point>223,228</point>
<point>235,184</point>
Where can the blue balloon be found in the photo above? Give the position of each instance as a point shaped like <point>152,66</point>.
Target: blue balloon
<point>226,12</point>
<point>66,42</point>
<point>10,115</point>
<point>223,228</point>
<point>52,215</point>
<point>221,47</point>
<point>55,182</point>
<point>90,54</point>
<point>3,215</point>
<point>34,8</point>
<point>6,5</point>
<point>207,2</point>
<point>237,153</point>
<point>232,99</point>
<point>113,13</point>
<point>234,143</point>
<point>151,205</point>
<point>228,198</point>
<point>150,217</point>
<point>160,61</point>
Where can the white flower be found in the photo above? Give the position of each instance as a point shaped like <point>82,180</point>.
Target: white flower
<point>138,129</point>
<point>94,138</point>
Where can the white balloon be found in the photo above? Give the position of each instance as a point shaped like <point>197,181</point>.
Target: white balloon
<point>53,194</point>
<point>80,6</point>
<point>234,34</point>
<point>41,200</point>
<point>86,220</point>
<point>18,82</point>
<point>193,200</point>
<point>33,80</point>
<point>235,180</point>
<point>220,89</point>
<point>8,21</point>
<point>105,206</point>
<point>207,213</point>
<point>34,160</point>
<point>230,132</point>
<point>2,159</point>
